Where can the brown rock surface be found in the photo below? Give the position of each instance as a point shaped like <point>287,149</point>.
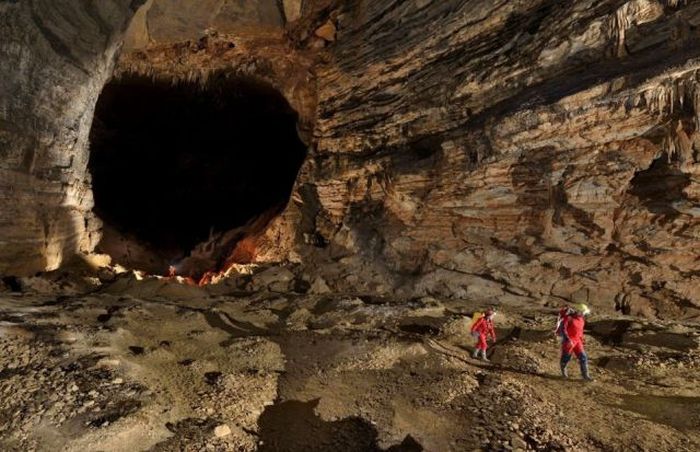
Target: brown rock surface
<point>56,55</point>
<point>530,149</point>
<point>163,21</point>
<point>517,150</point>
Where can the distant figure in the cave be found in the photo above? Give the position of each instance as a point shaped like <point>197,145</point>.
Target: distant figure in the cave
<point>482,329</point>
<point>570,327</point>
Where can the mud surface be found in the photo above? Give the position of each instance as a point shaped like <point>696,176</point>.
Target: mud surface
<point>184,368</point>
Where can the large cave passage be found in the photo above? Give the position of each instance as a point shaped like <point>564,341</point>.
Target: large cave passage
<point>174,164</point>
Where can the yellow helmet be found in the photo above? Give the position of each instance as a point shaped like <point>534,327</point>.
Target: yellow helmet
<point>582,309</point>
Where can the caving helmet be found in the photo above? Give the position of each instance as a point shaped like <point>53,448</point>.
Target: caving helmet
<point>490,312</point>
<point>582,309</point>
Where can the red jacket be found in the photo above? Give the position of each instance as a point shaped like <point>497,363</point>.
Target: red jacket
<point>484,326</point>
<point>573,327</point>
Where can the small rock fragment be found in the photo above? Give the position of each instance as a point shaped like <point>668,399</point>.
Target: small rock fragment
<point>326,31</point>
<point>222,430</point>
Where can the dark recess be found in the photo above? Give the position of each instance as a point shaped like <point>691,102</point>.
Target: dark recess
<point>172,163</point>
<point>660,185</point>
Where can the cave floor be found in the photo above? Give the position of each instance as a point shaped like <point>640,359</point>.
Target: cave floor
<point>184,368</point>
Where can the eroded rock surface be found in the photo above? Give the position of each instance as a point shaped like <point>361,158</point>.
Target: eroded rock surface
<point>519,149</point>
<point>510,150</point>
<point>56,55</point>
<point>157,365</point>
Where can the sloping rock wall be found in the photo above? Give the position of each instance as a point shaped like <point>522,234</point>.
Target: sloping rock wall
<point>510,150</point>
<point>522,149</point>
<point>55,56</point>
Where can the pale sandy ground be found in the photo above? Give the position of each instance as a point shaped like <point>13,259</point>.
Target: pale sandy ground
<point>155,365</point>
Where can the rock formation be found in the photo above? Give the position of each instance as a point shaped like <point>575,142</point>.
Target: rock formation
<point>519,149</point>
<point>498,150</point>
<point>56,56</point>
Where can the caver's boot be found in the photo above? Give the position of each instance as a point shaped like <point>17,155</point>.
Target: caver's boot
<point>483,355</point>
<point>583,362</point>
<point>475,355</point>
<point>564,372</point>
<point>562,365</point>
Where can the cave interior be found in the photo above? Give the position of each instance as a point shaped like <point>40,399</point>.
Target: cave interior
<point>176,163</point>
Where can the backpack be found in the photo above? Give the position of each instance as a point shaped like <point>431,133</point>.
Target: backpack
<point>475,318</point>
<point>559,328</point>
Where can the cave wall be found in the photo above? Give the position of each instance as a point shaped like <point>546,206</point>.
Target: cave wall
<point>501,155</point>
<point>167,21</point>
<point>501,150</point>
<point>56,55</point>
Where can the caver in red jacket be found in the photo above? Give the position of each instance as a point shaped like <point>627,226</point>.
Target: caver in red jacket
<point>572,342</point>
<point>572,333</point>
<point>484,328</point>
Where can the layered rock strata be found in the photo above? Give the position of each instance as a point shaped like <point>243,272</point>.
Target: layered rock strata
<point>539,151</point>
<point>546,150</point>
<point>55,57</point>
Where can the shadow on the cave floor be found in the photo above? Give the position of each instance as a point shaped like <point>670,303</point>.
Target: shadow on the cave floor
<point>235,328</point>
<point>619,333</point>
<point>294,426</point>
<point>682,413</point>
<point>495,363</point>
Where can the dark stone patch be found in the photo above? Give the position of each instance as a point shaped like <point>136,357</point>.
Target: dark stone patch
<point>11,319</point>
<point>423,330</point>
<point>186,433</point>
<point>136,350</point>
<point>118,410</point>
<point>7,373</point>
<point>609,332</point>
<point>103,318</point>
<point>212,378</point>
<point>301,286</point>
<point>12,283</point>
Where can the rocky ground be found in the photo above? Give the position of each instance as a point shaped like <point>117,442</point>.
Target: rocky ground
<point>265,364</point>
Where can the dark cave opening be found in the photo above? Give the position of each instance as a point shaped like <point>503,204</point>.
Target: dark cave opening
<point>174,164</point>
<point>658,186</point>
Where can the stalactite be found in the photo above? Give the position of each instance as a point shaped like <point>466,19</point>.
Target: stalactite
<point>674,94</point>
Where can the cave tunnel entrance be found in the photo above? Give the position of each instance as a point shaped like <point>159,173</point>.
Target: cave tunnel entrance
<point>175,164</point>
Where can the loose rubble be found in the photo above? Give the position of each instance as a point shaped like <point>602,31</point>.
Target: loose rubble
<point>155,364</point>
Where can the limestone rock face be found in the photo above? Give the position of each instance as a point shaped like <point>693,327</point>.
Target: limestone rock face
<point>55,56</point>
<point>162,21</point>
<point>518,149</point>
<point>512,151</point>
